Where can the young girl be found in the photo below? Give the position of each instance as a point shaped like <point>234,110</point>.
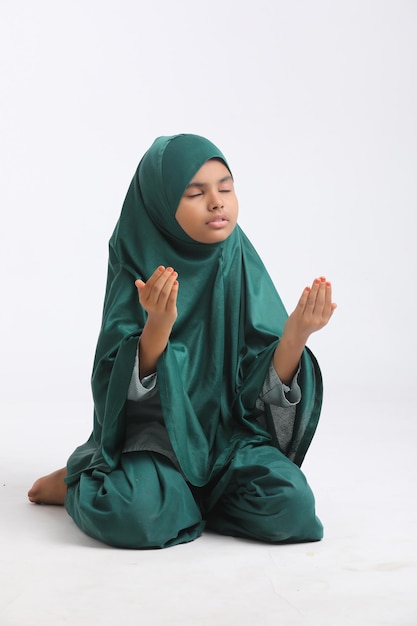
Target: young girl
<point>205,396</point>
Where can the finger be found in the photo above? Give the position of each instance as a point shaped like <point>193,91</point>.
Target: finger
<point>140,286</point>
<point>157,284</point>
<point>320,300</point>
<point>153,279</point>
<point>172,298</point>
<point>324,306</point>
<point>144,288</point>
<point>330,306</point>
<point>166,284</point>
<point>328,297</point>
<point>312,295</point>
<point>301,304</point>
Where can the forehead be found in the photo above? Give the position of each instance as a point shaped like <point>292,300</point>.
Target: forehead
<point>211,171</point>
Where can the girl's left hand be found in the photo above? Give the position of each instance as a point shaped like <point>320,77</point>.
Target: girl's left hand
<point>313,311</point>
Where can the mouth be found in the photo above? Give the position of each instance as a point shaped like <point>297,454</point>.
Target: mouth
<point>219,219</point>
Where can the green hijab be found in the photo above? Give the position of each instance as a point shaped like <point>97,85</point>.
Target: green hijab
<point>230,318</point>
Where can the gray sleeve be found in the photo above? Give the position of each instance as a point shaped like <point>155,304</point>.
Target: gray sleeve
<point>138,389</point>
<point>282,401</point>
<point>276,393</point>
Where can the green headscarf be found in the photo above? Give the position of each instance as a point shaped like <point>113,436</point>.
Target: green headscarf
<point>230,318</point>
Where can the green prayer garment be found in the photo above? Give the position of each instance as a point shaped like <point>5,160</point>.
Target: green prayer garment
<point>230,318</point>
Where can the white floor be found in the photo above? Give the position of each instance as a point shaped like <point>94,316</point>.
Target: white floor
<point>362,469</point>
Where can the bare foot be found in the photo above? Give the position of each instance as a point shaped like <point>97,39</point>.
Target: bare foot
<point>50,489</point>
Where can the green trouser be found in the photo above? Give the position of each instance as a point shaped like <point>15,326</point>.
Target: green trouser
<point>146,503</point>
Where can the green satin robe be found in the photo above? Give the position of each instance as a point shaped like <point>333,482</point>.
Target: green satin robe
<point>230,318</point>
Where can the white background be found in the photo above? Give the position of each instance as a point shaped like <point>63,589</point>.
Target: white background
<point>314,105</point>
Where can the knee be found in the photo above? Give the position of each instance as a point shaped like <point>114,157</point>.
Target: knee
<point>124,515</point>
<point>104,516</point>
<point>290,515</point>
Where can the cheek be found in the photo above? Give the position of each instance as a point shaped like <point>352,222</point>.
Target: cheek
<point>236,209</point>
<point>185,219</point>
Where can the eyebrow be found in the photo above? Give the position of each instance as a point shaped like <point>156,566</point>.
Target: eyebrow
<point>225,179</point>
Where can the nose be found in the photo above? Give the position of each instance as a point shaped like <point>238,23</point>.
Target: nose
<point>215,201</point>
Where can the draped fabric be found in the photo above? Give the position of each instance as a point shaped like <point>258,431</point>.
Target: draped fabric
<point>230,318</point>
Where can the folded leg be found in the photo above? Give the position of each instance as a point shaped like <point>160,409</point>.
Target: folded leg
<point>144,503</point>
<point>266,498</point>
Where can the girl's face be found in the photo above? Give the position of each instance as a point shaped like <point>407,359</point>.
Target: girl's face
<point>208,209</point>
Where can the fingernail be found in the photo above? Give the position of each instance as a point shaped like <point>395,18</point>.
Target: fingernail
<point>328,283</point>
<point>317,281</point>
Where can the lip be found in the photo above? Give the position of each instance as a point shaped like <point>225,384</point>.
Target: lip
<point>218,220</point>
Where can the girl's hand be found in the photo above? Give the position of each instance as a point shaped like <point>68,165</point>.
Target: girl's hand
<point>158,296</point>
<point>313,311</point>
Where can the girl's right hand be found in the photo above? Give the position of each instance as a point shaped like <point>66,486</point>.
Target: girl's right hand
<point>158,296</point>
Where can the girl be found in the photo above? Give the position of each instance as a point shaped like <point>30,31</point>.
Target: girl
<point>205,396</point>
